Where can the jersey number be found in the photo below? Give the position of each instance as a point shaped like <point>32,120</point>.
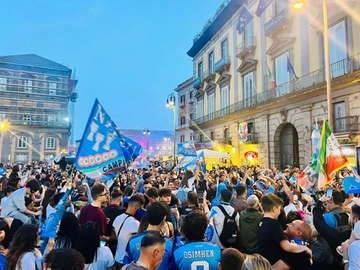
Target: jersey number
<point>204,264</point>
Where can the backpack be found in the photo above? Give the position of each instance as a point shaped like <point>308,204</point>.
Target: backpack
<point>229,234</point>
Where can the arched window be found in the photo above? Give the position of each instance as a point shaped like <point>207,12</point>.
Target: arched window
<point>50,143</point>
<point>22,142</point>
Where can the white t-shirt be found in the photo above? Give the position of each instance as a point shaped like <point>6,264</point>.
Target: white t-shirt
<point>354,255</point>
<point>129,228</point>
<point>29,260</point>
<point>104,260</point>
<point>292,207</point>
<point>217,217</point>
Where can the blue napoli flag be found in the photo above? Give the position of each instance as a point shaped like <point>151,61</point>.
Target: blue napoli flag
<point>290,67</point>
<point>244,19</point>
<point>186,149</point>
<point>354,171</point>
<point>187,163</point>
<point>263,4</point>
<point>202,163</point>
<point>103,150</point>
<point>351,185</point>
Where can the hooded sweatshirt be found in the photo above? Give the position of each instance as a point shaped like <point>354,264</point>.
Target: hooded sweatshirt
<point>249,226</point>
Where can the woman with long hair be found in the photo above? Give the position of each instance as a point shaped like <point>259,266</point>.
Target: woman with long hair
<point>96,257</point>
<point>23,252</point>
<point>48,194</point>
<point>69,231</point>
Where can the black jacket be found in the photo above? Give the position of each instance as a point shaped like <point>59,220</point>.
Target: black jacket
<point>332,236</point>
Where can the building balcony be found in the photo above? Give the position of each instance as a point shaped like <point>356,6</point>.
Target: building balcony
<point>182,126</point>
<point>209,75</point>
<point>247,47</point>
<point>222,64</point>
<point>346,124</point>
<point>198,82</point>
<point>225,141</point>
<point>62,124</point>
<point>192,100</point>
<point>182,104</point>
<point>277,23</point>
<point>348,68</point>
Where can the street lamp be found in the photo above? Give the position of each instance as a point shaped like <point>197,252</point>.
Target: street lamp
<point>298,5</point>
<point>170,103</point>
<point>3,126</point>
<point>146,132</point>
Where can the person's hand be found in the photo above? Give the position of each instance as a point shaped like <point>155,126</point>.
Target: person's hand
<point>38,213</point>
<point>308,251</point>
<point>324,198</point>
<point>345,248</point>
<point>4,251</point>
<point>51,243</point>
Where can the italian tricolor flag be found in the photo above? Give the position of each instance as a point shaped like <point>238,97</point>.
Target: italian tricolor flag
<point>271,78</point>
<point>331,156</point>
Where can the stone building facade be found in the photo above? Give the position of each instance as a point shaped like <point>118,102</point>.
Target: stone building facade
<point>235,95</point>
<point>34,103</point>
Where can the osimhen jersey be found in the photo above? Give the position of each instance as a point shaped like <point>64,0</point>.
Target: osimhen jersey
<point>197,256</point>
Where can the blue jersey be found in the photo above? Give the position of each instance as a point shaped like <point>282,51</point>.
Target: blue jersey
<point>132,252</point>
<point>197,256</point>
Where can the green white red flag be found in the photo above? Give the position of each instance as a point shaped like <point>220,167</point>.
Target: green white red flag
<point>271,78</point>
<point>331,157</point>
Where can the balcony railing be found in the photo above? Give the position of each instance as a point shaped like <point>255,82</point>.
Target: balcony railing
<point>275,22</point>
<point>248,44</point>
<point>208,73</point>
<point>222,63</point>
<point>197,81</point>
<point>183,126</point>
<point>343,67</point>
<point>346,124</point>
<point>39,123</point>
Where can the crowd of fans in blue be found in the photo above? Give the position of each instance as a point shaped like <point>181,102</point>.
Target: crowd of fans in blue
<point>249,217</point>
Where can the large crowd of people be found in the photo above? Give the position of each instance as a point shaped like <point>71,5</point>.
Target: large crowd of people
<point>249,217</point>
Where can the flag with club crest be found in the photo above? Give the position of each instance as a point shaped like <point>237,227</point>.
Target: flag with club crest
<point>187,163</point>
<point>331,157</point>
<point>263,4</point>
<point>103,150</point>
<point>244,19</point>
<point>186,149</point>
<point>142,161</point>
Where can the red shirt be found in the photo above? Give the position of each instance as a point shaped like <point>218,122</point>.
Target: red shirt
<point>94,214</point>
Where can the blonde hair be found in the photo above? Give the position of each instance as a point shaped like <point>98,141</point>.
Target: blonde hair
<point>256,262</point>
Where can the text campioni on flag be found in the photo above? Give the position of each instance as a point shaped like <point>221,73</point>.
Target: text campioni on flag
<point>103,150</point>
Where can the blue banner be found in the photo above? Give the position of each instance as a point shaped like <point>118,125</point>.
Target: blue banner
<point>351,185</point>
<point>244,19</point>
<point>202,163</point>
<point>103,150</point>
<point>186,149</point>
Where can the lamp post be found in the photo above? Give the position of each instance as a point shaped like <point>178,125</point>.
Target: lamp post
<point>146,132</point>
<point>170,103</point>
<point>3,127</point>
<point>298,5</point>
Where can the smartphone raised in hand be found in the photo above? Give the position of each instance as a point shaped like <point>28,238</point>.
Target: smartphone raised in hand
<point>329,192</point>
